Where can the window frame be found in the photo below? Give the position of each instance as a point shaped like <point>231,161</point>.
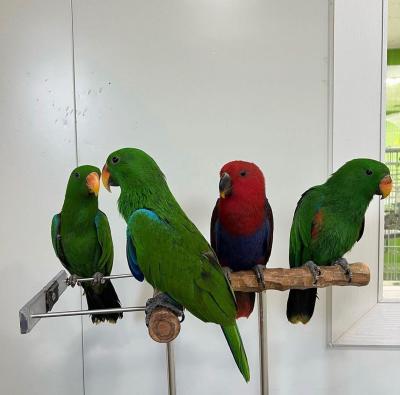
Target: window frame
<point>347,339</point>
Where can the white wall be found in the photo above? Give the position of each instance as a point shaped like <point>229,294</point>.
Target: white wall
<point>195,84</point>
<point>37,153</point>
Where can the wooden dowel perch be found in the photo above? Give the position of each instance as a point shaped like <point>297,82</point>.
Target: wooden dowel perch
<point>300,278</point>
<point>164,325</point>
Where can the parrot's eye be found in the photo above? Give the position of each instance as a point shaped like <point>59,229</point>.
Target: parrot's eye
<point>369,172</point>
<point>115,159</point>
<point>76,175</point>
<point>243,173</point>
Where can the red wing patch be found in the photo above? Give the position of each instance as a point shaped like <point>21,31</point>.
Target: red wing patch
<point>316,224</point>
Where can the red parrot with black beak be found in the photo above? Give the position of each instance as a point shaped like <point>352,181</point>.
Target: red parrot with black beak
<point>242,225</point>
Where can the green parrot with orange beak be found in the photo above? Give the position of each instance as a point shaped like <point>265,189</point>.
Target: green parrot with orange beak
<point>328,221</point>
<point>166,248</point>
<point>82,241</point>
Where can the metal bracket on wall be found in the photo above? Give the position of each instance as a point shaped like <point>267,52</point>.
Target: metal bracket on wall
<point>42,303</point>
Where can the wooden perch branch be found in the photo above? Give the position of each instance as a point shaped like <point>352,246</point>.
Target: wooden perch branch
<point>164,325</point>
<point>300,278</point>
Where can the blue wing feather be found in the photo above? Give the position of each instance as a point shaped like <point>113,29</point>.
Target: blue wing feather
<point>130,247</point>
<point>131,256</point>
<point>56,240</point>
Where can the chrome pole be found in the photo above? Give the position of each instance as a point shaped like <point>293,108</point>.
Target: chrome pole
<point>262,345</point>
<point>87,312</point>
<point>171,369</point>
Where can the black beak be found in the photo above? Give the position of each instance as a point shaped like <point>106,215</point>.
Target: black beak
<point>225,185</point>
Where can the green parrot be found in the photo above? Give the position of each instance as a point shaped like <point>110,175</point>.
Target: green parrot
<point>328,221</point>
<point>166,248</point>
<point>82,241</point>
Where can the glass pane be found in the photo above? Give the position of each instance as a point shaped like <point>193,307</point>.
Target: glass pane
<point>391,273</point>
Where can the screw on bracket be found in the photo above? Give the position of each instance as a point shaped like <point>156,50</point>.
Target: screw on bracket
<point>52,296</point>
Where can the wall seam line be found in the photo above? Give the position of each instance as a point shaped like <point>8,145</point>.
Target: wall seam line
<point>77,164</point>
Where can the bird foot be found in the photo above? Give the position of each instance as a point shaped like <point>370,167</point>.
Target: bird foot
<point>163,300</point>
<point>72,280</point>
<point>227,272</point>
<point>315,271</point>
<point>342,262</point>
<point>98,278</point>
<point>259,271</point>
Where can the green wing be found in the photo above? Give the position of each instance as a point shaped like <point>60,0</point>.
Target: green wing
<point>56,240</point>
<point>176,259</point>
<point>105,260</point>
<point>304,225</point>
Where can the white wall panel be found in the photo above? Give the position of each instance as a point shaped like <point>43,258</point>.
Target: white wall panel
<point>197,84</point>
<point>356,133</point>
<point>37,153</point>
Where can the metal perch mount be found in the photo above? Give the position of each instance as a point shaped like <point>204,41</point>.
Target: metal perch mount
<point>164,325</point>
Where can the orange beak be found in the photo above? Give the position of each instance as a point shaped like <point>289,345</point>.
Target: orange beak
<point>385,186</point>
<point>93,183</point>
<point>105,177</point>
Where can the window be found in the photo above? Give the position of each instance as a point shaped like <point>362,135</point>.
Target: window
<point>391,270</point>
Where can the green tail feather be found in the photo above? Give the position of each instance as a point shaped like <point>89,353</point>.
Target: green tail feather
<point>234,340</point>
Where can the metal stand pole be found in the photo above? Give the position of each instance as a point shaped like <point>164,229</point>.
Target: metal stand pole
<point>171,369</point>
<point>263,345</point>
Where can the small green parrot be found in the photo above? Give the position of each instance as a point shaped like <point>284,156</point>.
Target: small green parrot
<point>82,241</point>
<point>166,248</point>
<point>328,221</point>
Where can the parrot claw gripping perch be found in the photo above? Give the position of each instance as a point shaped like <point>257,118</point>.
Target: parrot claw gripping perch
<point>162,300</point>
<point>98,278</point>
<point>259,271</point>
<point>72,280</point>
<point>315,271</point>
<point>342,262</point>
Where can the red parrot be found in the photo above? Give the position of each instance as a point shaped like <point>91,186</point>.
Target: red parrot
<point>242,225</point>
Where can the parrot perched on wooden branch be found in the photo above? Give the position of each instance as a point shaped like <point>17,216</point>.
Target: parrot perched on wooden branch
<point>166,248</point>
<point>328,221</point>
<point>82,241</point>
<point>242,225</point>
